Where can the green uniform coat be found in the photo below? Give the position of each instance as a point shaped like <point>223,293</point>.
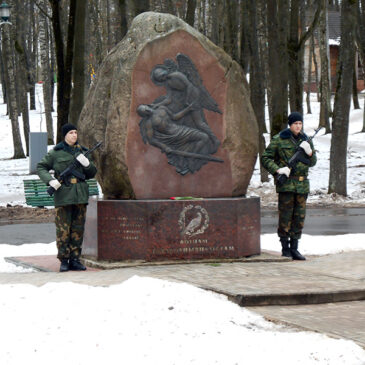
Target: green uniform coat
<point>281,148</point>
<point>58,159</point>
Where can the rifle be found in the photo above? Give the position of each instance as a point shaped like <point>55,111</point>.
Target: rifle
<point>71,171</point>
<point>196,155</point>
<point>299,156</point>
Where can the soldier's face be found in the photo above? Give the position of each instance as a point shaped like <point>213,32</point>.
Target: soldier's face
<point>296,127</point>
<point>71,137</point>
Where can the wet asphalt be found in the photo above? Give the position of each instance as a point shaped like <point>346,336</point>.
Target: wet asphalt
<point>334,221</point>
<point>322,222</point>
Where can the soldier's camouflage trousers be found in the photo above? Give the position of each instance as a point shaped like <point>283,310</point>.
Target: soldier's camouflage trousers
<point>70,223</point>
<point>292,209</point>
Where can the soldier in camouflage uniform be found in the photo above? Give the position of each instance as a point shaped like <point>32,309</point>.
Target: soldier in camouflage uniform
<point>294,192</point>
<point>70,198</point>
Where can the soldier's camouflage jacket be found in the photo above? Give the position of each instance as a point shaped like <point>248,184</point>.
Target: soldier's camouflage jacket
<point>281,148</point>
<point>58,159</point>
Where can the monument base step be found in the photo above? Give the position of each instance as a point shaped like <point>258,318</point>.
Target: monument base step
<point>265,256</point>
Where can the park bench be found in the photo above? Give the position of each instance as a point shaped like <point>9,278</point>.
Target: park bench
<point>36,195</point>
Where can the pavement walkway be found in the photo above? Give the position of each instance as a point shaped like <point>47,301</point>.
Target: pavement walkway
<point>324,293</point>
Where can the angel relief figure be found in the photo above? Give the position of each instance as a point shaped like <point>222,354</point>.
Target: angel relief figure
<point>175,122</point>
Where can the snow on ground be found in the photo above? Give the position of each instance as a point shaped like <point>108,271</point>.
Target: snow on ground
<point>33,249</point>
<point>150,321</point>
<point>318,245</point>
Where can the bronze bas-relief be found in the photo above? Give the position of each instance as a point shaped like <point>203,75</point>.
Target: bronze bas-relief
<point>175,123</point>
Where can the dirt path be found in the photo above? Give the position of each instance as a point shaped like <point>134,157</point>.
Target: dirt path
<point>19,214</point>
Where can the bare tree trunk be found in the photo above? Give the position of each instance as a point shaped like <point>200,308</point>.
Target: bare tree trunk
<point>79,92</point>
<point>363,118</point>
<point>217,14</point>
<point>294,60</point>
<point>53,68</point>
<point>120,22</point>
<point>32,50</point>
<point>13,111</point>
<point>355,97</point>
<point>257,89</point>
<point>340,125</point>
<point>309,75</point>
<point>231,30</point>
<point>316,70</point>
<point>190,12</point>
<point>263,49</point>
<point>360,40</point>
<point>103,20</point>
<point>325,92</point>
<point>278,63</point>
<point>13,36</point>
<point>201,24</point>
<point>167,6</point>
<point>24,102</point>
<point>244,56</point>
<point>64,63</point>
<point>44,53</point>
<point>95,38</point>
<point>296,54</point>
<point>23,79</point>
<point>62,115</point>
<point>2,76</point>
<point>109,34</point>
<point>123,21</point>
<point>141,6</point>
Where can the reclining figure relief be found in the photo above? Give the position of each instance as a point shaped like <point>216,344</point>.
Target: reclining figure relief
<point>175,122</point>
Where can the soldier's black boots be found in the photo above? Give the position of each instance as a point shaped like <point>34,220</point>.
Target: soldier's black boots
<point>64,265</point>
<point>296,255</point>
<point>285,247</point>
<point>76,265</point>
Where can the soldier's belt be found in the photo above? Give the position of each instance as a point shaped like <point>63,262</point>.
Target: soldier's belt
<point>298,178</point>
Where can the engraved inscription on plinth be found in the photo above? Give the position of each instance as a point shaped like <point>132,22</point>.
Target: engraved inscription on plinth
<point>121,230</point>
<point>175,230</point>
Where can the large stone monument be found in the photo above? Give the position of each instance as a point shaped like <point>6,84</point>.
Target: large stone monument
<point>174,114</point>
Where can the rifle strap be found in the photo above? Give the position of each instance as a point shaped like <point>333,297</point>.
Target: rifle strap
<point>295,141</point>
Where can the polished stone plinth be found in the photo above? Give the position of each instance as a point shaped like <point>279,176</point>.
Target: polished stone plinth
<point>158,230</point>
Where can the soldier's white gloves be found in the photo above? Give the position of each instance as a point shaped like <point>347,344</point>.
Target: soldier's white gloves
<point>55,184</point>
<point>83,160</point>
<point>306,147</point>
<point>284,171</point>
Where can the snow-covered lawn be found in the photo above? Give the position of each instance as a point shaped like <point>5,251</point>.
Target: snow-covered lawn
<point>150,321</point>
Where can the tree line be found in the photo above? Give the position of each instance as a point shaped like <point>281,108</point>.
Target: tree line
<point>63,42</point>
